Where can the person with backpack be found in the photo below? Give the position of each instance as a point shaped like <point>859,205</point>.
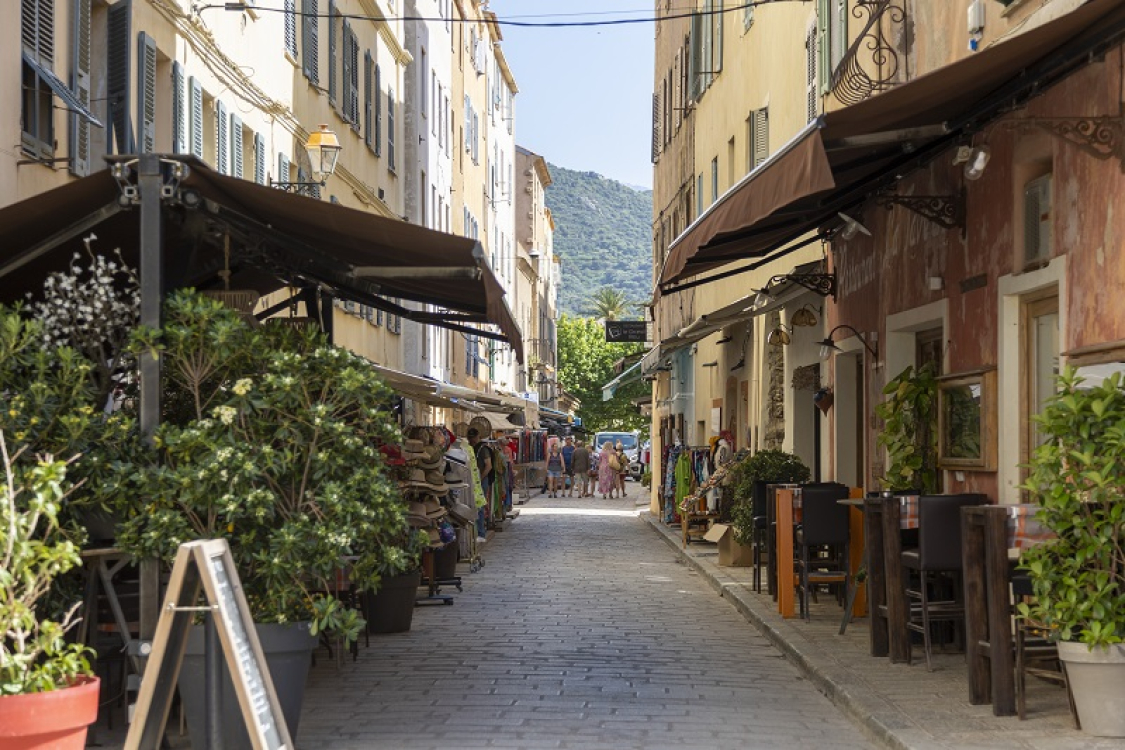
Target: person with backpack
<point>608,466</point>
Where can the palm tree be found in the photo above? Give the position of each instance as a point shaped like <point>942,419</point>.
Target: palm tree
<point>609,303</point>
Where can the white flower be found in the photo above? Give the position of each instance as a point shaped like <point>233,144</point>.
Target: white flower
<point>225,414</point>
<point>242,386</point>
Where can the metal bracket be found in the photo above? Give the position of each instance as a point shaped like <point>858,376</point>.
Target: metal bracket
<point>124,172</point>
<point>947,211</point>
<point>1101,136</point>
<point>852,81</point>
<point>823,284</point>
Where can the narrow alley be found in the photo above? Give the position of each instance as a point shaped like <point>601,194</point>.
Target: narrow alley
<point>583,630</point>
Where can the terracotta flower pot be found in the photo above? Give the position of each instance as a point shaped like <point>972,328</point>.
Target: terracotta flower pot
<point>57,719</point>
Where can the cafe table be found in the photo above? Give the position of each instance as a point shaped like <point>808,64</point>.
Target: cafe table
<point>884,517</point>
<point>988,533</point>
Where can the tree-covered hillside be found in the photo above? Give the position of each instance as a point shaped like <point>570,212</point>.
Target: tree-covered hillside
<point>602,235</point>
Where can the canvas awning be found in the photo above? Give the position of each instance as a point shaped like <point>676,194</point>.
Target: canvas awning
<point>422,390</point>
<point>845,156</point>
<point>631,374</point>
<point>276,240</point>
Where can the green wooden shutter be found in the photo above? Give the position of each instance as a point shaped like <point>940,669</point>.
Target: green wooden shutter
<point>146,93</point>
<point>80,83</point>
<point>236,145</point>
<point>222,146</point>
<point>196,111</point>
<point>179,115</point>
<point>117,77</point>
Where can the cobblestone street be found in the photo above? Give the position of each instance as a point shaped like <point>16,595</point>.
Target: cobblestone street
<point>581,631</point>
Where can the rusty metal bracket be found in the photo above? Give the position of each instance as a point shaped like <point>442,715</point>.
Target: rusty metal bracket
<point>853,81</point>
<point>947,211</point>
<point>1101,136</point>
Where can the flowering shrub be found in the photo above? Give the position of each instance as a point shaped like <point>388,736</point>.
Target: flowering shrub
<point>270,443</point>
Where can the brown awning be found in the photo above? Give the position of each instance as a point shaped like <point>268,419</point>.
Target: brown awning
<point>277,239</point>
<point>847,155</point>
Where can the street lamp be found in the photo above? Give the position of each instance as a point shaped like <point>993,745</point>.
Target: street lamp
<point>324,150</point>
<point>828,347</point>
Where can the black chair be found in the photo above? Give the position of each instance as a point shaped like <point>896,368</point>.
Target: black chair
<point>758,534</point>
<point>822,541</point>
<point>938,554</point>
<point>1036,654</point>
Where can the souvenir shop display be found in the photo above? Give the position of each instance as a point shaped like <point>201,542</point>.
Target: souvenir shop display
<point>685,468</point>
<point>529,448</point>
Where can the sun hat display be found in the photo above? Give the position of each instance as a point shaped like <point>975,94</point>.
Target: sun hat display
<point>436,478</point>
<point>416,515</point>
<point>435,537</point>
<point>463,513</point>
<point>434,509</point>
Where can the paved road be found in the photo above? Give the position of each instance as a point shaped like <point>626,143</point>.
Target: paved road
<point>581,631</point>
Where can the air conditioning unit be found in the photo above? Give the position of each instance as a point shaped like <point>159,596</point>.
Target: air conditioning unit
<point>1037,220</point>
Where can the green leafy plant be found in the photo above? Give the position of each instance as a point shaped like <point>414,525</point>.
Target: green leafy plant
<point>34,654</point>
<point>270,442</point>
<point>769,465</point>
<point>1077,475</point>
<point>646,478</point>
<point>586,362</point>
<point>909,431</point>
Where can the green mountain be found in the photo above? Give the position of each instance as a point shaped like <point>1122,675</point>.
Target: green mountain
<point>603,237</point>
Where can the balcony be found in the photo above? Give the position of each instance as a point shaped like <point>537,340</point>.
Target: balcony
<point>541,353</point>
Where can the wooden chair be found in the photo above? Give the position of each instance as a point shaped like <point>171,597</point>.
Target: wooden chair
<point>825,534</point>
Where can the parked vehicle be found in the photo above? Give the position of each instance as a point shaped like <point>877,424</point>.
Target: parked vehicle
<point>630,443</point>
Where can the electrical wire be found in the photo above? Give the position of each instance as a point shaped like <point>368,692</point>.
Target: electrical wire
<point>509,21</point>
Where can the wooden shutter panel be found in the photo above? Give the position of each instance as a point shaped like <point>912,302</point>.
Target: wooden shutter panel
<point>810,74</point>
<point>291,27</point>
<point>656,114</point>
<point>146,92</point>
<point>236,145</point>
<point>282,168</point>
<point>196,111</point>
<point>353,79</point>
<point>37,29</point>
<point>377,95</point>
<point>29,26</point>
<point>823,43</point>
<point>117,77</point>
<point>259,159</point>
<point>179,114</point>
<point>761,136</point>
<point>80,82</point>
<point>390,129</point>
<point>222,147</point>
<point>368,104</point>
<point>333,24</point>
<point>310,37</point>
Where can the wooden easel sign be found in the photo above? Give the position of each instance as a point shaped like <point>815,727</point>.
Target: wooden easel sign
<point>208,562</point>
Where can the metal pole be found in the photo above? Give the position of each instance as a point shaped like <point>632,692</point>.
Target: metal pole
<point>149,184</point>
<point>212,680</point>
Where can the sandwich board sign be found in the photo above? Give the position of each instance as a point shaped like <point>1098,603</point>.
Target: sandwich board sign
<point>208,563</point>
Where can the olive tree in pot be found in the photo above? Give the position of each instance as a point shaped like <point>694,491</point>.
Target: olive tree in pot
<point>750,477</point>
<point>48,694</point>
<point>270,442</point>
<point>1077,475</point>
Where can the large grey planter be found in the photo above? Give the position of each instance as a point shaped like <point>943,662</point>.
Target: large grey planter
<point>1097,682</point>
<point>288,650</point>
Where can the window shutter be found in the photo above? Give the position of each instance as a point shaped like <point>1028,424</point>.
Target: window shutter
<point>29,26</point>
<point>368,108</point>
<point>259,159</point>
<point>196,117</point>
<point>353,79</point>
<point>310,37</point>
<point>236,145</point>
<point>282,168</point>
<point>80,82</point>
<point>717,38</point>
<point>146,92</point>
<point>1037,220</point>
<point>179,117</point>
<point>761,135</point>
<point>222,147</point>
<point>476,138</point>
<point>696,57</point>
<point>468,122</point>
<point>391,129</point>
<point>291,27</point>
<point>37,29</point>
<point>823,42</point>
<point>377,95</point>
<point>839,36</point>
<point>333,22</point>
<point>117,77</point>
<point>811,93</point>
<point>656,140</point>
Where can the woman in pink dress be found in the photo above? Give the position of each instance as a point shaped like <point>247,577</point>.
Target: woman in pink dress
<point>607,477</point>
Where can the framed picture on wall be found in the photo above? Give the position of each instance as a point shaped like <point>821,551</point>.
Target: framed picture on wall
<point>967,420</point>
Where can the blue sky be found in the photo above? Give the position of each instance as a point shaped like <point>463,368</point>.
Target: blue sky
<point>585,99</point>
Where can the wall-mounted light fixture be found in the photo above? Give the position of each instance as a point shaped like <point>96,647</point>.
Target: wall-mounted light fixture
<point>324,149</point>
<point>851,227</point>
<point>828,347</point>
<point>780,336</point>
<point>823,284</point>
<point>804,318</point>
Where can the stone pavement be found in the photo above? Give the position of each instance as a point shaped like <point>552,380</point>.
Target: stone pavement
<point>581,631</point>
<point>903,705</point>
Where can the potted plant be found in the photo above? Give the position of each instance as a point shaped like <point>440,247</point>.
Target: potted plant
<point>1077,475</point>
<point>749,479</point>
<point>269,441</point>
<point>389,582</point>
<point>48,694</point>
<point>909,431</point>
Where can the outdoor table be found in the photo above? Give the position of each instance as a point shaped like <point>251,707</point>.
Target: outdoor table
<point>855,604</point>
<point>988,532</point>
<point>771,536</point>
<point>883,519</point>
<point>787,511</point>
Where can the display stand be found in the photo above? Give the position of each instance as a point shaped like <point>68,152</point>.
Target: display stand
<point>434,595</point>
<point>529,475</point>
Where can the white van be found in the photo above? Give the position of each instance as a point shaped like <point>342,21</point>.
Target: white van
<point>630,443</point>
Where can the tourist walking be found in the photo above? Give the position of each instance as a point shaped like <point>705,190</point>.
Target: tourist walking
<point>622,467</point>
<point>555,467</point>
<point>607,470</point>
<point>568,465</point>
<point>580,469</point>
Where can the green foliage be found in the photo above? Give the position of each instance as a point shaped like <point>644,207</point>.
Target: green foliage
<point>909,432</point>
<point>270,443</point>
<point>586,364</point>
<point>609,304</point>
<point>34,654</point>
<point>646,478</point>
<point>1078,477</point>
<point>603,236</point>
<point>768,465</point>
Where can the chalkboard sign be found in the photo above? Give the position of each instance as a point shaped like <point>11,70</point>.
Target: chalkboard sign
<point>624,331</point>
<point>208,564</point>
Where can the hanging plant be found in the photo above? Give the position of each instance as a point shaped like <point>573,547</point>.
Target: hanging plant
<point>909,431</point>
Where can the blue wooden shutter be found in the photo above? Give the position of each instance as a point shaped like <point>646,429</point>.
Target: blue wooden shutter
<point>179,115</point>
<point>236,145</point>
<point>196,110</point>
<point>368,100</point>
<point>80,82</point>
<point>310,37</point>
<point>291,27</point>
<point>146,92</point>
<point>117,77</point>
<point>333,23</point>
<point>222,147</point>
<point>259,159</point>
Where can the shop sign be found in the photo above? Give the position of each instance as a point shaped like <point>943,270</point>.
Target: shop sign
<point>626,331</point>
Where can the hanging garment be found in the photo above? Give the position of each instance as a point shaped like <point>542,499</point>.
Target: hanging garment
<point>478,491</point>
